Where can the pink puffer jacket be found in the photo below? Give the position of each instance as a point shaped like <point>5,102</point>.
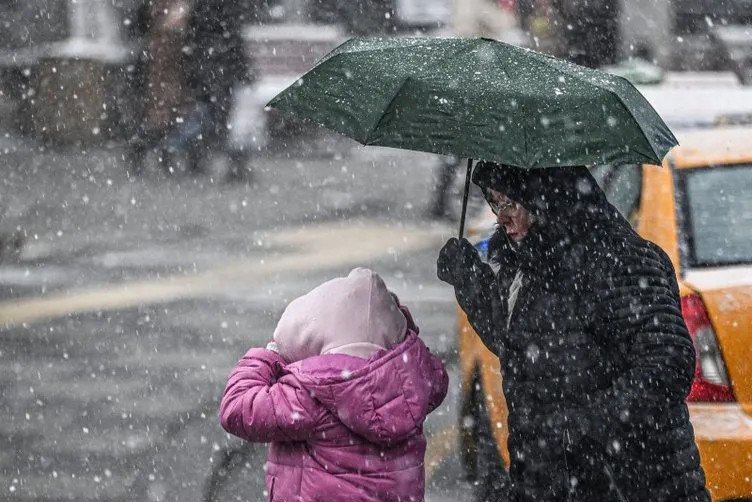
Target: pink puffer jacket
<point>342,428</point>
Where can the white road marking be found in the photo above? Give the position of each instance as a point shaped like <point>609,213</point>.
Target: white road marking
<point>312,247</point>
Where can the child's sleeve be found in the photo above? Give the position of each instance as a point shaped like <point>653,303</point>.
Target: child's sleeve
<point>260,404</point>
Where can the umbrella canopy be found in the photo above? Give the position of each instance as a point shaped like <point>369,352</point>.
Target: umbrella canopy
<point>478,98</point>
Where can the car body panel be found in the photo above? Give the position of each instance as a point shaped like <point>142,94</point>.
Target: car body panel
<point>691,100</point>
<point>488,369</point>
<point>723,433</point>
<point>730,145</point>
<point>659,225</point>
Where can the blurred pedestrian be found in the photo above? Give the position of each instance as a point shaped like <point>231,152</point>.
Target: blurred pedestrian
<point>595,356</point>
<point>216,64</point>
<point>341,393</point>
<point>12,239</point>
<point>445,178</point>
<point>160,80</point>
<point>590,30</point>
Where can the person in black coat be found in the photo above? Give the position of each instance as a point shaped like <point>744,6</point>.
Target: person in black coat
<point>596,359</point>
<point>215,63</point>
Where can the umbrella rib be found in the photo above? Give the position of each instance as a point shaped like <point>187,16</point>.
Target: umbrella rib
<point>386,108</point>
<point>629,111</point>
<point>546,60</point>
<point>449,59</point>
<point>639,125</point>
<point>638,122</point>
<point>501,65</point>
<point>525,142</point>
<point>507,74</point>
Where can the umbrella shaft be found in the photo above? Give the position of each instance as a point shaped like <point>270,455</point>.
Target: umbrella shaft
<point>465,195</point>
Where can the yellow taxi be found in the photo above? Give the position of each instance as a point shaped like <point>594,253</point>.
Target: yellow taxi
<point>698,208</point>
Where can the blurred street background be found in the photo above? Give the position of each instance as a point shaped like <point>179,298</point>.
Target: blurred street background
<point>155,219</point>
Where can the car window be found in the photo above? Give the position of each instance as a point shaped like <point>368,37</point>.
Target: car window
<point>621,185</point>
<point>717,209</point>
<point>623,188</point>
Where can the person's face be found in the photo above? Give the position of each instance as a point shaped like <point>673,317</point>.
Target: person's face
<point>515,219</point>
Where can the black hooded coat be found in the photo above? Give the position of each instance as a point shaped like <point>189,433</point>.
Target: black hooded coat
<point>215,60</point>
<point>596,359</point>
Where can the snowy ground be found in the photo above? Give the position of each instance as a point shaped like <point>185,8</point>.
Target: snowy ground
<point>133,298</point>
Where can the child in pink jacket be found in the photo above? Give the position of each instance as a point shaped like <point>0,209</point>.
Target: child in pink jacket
<point>341,393</point>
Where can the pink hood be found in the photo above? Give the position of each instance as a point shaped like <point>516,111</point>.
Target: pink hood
<point>354,315</point>
<point>385,399</point>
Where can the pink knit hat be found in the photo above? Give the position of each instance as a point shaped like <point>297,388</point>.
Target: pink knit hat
<point>353,315</point>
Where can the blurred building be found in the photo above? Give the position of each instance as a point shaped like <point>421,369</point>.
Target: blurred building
<point>64,64</point>
<point>68,64</point>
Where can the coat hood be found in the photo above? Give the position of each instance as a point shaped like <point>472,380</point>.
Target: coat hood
<point>556,194</point>
<point>354,315</point>
<point>384,399</point>
<point>568,205</point>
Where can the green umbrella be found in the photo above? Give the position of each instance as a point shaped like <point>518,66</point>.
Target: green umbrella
<point>478,98</point>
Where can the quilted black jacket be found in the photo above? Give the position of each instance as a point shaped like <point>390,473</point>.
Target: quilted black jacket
<point>597,360</point>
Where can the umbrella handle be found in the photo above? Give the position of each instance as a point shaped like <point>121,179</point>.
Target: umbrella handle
<point>465,195</point>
